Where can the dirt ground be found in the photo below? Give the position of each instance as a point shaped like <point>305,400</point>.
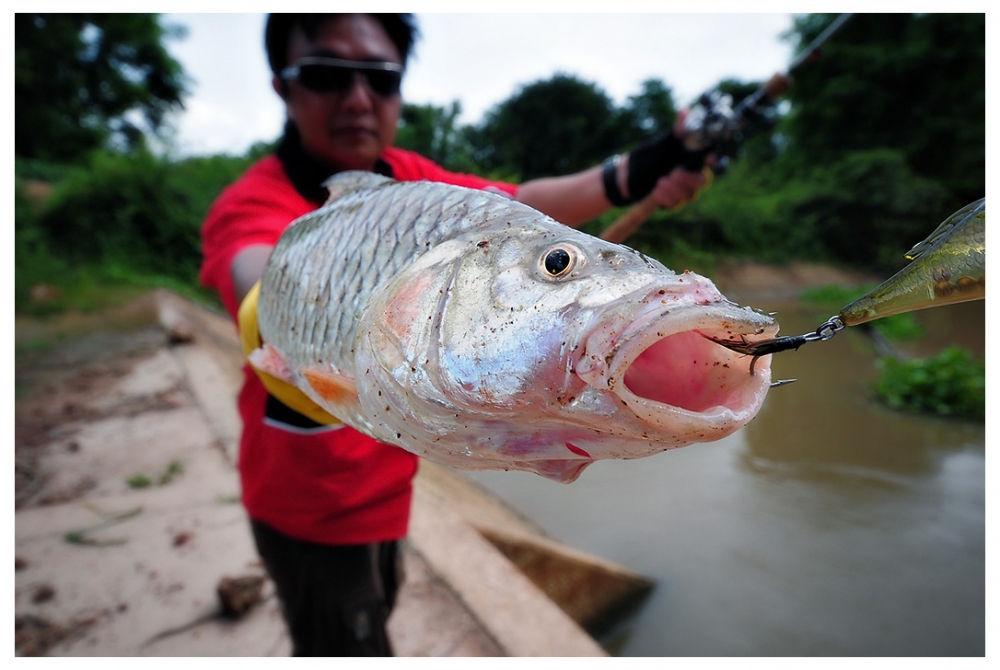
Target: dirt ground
<point>115,475</point>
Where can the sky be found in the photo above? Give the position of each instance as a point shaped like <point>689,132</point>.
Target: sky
<point>479,60</point>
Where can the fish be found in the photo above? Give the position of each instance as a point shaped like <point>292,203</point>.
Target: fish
<point>477,332</point>
<point>946,268</point>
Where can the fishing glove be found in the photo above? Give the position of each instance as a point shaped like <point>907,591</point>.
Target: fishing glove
<point>653,159</point>
<point>648,162</point>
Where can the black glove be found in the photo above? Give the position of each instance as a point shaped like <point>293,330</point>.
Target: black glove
<point>657,158</point>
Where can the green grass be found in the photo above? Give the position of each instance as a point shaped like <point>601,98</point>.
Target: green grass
<point>832,296</point>
<point>91,288</point>
<point>175,468</point>
<point>141,480</point>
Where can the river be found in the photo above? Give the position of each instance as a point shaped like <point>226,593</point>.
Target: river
<point>829,526</point>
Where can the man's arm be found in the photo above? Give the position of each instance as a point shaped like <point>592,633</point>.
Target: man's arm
<point>577,198</point>
<point>248,267</point>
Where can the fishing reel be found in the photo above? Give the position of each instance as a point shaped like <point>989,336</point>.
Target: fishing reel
<point>711,123</point>
<point>712,126</point>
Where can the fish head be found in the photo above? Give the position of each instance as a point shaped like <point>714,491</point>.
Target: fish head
<point>542,348</point>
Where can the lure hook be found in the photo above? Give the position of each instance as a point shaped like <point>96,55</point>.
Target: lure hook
<point>775,345</point>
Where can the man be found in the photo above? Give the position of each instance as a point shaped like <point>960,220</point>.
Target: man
<point>327,504</point>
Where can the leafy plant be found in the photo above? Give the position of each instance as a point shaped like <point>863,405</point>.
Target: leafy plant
<point>175,468</point>
<point>124,224</point>
<point>84,536</point>
<point>141,481</point>
<point>899,327</point>
<point>950,384</point>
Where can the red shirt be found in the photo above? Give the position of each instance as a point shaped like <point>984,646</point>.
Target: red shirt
<point>331,485</point>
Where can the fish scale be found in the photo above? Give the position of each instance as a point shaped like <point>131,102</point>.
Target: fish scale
<point>366,264</point>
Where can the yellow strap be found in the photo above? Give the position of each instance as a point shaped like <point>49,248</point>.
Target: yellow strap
<point>283,391</point>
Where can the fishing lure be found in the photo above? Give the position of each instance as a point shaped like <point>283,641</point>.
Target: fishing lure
<point>946,268</point>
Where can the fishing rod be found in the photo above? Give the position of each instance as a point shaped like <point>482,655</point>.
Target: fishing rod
<point>713,123</point>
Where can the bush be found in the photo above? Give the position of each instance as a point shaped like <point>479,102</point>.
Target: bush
<point>950,384</point>
<point>135,210</point>
<point>864,211</point>
<point>125,220</point>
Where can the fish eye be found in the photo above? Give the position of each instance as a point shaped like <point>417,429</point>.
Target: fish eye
<point>558,261</point>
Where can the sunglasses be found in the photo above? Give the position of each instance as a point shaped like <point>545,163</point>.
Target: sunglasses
<point>332,75</point>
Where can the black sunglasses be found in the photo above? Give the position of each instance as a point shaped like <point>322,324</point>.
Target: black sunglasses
<point>333,75</point>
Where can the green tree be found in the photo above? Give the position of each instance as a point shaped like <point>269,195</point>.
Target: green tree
<point>87,81</point>
<point>433,132</point>
<point>549,127</point>
<point>914,83</point>
<point>884,138</point>
<point>651,112</point>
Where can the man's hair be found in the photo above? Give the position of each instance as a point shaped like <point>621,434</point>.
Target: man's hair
<point>401,28</point>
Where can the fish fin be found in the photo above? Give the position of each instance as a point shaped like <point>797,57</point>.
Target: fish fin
<point>268,359</point>
<point>333,387</point>
<point>344,183</point>
<point>920,247</point>
<point>558,470</point>
<point>944,230</point>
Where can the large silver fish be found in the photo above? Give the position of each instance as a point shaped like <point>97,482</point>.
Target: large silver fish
<point>477,332</point>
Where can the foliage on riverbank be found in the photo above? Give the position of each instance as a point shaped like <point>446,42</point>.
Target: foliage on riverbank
<point>89,234</point>
<point>950,384</point>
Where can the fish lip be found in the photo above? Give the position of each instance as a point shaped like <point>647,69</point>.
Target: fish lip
<point>606,362</point>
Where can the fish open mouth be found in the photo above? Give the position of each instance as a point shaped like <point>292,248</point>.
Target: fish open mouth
<point>664,364</point>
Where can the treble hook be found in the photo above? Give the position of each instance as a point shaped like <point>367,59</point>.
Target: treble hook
<point>775,345</point>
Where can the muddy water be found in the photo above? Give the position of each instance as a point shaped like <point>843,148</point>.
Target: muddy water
<point>830,525</point>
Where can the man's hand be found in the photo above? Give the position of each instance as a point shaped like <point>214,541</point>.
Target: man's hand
<point>679,187</point>
<point>682,186</point>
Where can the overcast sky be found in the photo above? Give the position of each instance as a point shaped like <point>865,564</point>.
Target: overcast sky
<point>479,60</point>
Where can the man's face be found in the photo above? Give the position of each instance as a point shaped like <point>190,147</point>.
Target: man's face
<point>345,130</point>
